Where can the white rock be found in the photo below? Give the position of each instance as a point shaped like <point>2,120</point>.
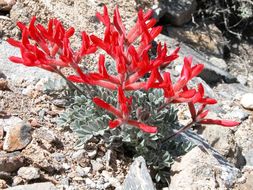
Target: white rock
<point>29,173</point>
<point>247,101</point>
<point>218,62</point>
<point>200,170</point>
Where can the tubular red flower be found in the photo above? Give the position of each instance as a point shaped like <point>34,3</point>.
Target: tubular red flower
<point>225,123</point>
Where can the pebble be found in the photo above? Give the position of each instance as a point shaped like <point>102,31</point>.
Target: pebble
<point>45,134</point>
<point>78,155</point>
<point>29,173</point>
<point>247,101</point>
<point>90,183</point>
<point>17,180</point>
<point>92,154</point>
<point>4,84</point>
<point>11,162</point>
<point>3,184</point>
<point>17,137</point>
<point>59,157</point>
<point>66,166</point>
<point>96,165</point>
<point>60,102</point>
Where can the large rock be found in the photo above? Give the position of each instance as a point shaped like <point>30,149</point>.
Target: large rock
<point>32,77</point>
<point>232,91</point>
<point>200,170</point>
<point>11,162</point>
<point>178,12</point>
<point>17,137</point>
<point>207,39</point>
<point>211,74</point>
<point>37,186</point>
<point>222,139</point>
<point>138,177</point>
<point>243,137</point>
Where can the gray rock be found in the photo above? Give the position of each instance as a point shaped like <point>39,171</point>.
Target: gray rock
<point>231,91</point>
<point>11,162</point>
<point>138,177</point>
<point>30,75</point>
<point>60,102</point>
<point>249,157</point>
<point>17,137</point>
<point>247,101</point>
<point>37,186</point>
<point>178,12</point>
<point>45,134</point>
<point>222,139</point>
<point>29,173</point>
<point>199,170</point>
<point>7,123</point>
<point>218,62</point>
<point>211,74</point>
<point>238,113</point>
<point>82,172</point>
<point>78,155</point>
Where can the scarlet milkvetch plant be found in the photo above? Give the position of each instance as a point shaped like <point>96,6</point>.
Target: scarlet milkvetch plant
<point>49,48</point>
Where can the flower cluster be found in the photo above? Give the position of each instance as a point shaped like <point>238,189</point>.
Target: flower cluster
<point>50,49</point>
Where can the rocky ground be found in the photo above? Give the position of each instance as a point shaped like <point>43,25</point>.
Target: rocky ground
<point>35,153</point>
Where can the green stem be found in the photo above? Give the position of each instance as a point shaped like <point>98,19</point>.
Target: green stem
<point>71,84</point>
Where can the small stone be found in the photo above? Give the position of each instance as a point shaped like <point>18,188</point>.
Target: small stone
<point>3,184</point>
<point>34,122</point>
<point>37,186</point>
<point>89,182</point>
<point>247,101</point>
<point>4,84</point>
<point>60,103</point>
<point>17,137</point>
<point>17,181</point>
<point>65,181</point>
<point>59,157</point>
<point>66,166</point>
<point>96,166</point>
<point>11,162</point>
<point>92,154</point>
<point>6,176</point>
<point>45,134</point>
<point>78,155</point>
<point>28,91</point>
<point>29,173</point>
<point>138,176</point>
